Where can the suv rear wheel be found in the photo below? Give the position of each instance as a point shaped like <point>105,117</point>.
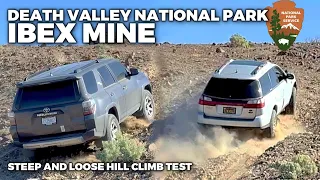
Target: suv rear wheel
<point>112,128</point>
<point>147,111</point>
<point>270,132</point>
<point>32,155</point>
<point>291,107</point>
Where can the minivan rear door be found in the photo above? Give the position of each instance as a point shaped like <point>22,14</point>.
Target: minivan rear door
<point>231,98</point>
<point>53,108</point>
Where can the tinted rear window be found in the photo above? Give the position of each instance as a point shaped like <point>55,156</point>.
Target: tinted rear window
<point>90,82</point>
<point>232,88</point>
<point>48,94</point>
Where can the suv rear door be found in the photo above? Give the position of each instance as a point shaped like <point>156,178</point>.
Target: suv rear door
<point>130,86</point>
<point>231,98</point>
<point>44,110</point>
<point>113,89</point>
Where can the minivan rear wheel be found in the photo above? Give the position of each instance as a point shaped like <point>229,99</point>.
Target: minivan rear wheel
<point>270,132</point>
<point>291,107</point>
<point>147,110</point>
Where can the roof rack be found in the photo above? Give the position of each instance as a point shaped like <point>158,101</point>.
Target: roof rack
<point>256,70</point>
<point>86,66</point>
<point>223,66</point>
<point>37,73</point>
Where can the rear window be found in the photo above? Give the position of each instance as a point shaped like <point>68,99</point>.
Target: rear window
<point>90,82</point>
<point>48,94</point>
<point>232,88</point>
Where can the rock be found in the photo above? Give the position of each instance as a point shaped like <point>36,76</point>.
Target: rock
<point>213,44</point>
<point>174,50</point>
<point>281,53</point>
<point>152,147</point>
<point>219,50</point>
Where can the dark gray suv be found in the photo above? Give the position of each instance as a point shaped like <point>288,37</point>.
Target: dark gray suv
<point>78,103</point>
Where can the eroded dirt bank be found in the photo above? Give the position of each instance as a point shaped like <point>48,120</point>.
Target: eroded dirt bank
<point>178,73</point>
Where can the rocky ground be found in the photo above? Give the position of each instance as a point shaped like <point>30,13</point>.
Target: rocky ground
<point>178,74</point>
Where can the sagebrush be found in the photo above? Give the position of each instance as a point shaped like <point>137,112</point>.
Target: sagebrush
<point>300,165</point>
<point>237,40</point>
<point>124,149</point>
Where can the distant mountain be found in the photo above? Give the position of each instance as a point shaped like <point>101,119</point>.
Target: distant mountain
<point>289,29</point>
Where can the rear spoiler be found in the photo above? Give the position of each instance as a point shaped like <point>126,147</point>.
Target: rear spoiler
<point>45,81</point>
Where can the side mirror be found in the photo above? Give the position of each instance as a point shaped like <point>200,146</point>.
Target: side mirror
<point>134,71</point>
<point>290,76</point>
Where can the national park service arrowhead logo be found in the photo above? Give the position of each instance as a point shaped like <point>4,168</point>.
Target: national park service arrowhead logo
<point>284,23</point>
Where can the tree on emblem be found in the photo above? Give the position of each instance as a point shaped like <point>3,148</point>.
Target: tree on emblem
<point>275,22</point>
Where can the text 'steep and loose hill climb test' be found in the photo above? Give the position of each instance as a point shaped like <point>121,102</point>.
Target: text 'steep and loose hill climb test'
<point>22,27</point>
<point>156,166</point>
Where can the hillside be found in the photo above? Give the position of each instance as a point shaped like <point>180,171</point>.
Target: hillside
<point>178,73</point>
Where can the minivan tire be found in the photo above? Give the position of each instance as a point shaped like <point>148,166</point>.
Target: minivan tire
<point>270,132</point>
<point>147,110</point>
<point>112,128</point>
<point>291,107</point>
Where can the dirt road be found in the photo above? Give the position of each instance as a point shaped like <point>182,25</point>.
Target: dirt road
<point>178,74</point>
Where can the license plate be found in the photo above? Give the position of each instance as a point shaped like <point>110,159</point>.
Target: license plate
<point>229,110</point>
<point>49,120</point>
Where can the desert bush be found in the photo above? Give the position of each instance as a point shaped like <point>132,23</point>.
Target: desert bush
<point>308,166</point>
<point>237,40</point>
<point>300,165</point>
<point>289,170</point>
<point>315,40</point>
<point>124,149</point>
<point>4,131</point>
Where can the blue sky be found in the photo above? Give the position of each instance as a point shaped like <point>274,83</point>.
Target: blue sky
<point>182,32</point>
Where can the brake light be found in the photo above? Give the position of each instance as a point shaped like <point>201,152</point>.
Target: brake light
<point>206,101</point>
<point>89,107</point>
<point>260,103</point>
<point>12,119</point>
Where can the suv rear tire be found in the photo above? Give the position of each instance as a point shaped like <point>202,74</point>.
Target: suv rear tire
<point>147,111</point>
<point>291,107</point>
<point>270,132</point>
<point>112,128</point>
<point>32,155</point>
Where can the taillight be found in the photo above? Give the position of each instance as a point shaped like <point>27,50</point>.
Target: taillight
<point>204,100</point>
<point>255,104</point>
<point>89,107</point>
<point>12,119</point>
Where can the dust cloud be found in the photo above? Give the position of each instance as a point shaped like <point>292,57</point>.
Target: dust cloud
<point>183,140</point>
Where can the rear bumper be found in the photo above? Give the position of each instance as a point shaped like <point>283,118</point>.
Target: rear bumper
<point>60,141</point>
<point>261,122</point>
<point>56,142</point>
